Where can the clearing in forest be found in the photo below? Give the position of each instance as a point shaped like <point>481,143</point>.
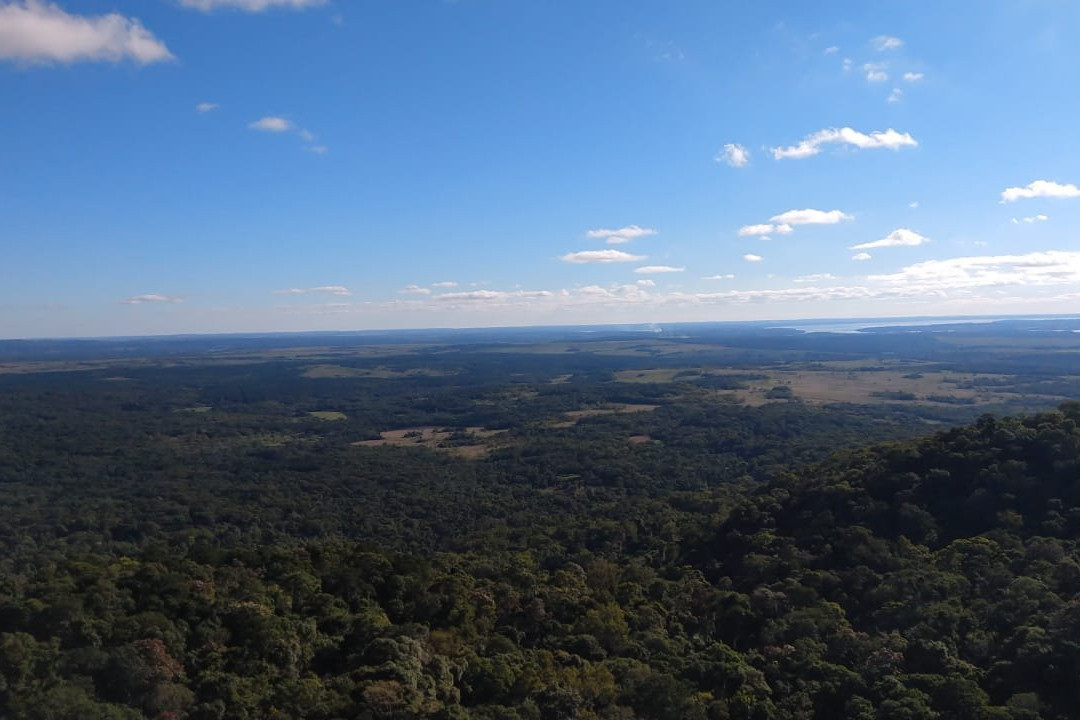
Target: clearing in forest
<point>456,441</point>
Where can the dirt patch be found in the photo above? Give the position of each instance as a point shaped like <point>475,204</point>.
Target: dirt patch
<point>639,439</point>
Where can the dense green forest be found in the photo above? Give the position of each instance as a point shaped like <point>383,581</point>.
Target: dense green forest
<point>192,541</point>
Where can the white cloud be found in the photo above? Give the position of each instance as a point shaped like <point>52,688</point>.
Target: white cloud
<point>809,216</point>
<point>728,276</point>
<point>895,96</point>
<point>414,290</point>
<point>861,257</point>
<point>445,284</point>
<point>1031,219</point>
<point>1040,189</point>
<point>951,285</point>
<point>913,204</point>
<point>491,295</point>
<point>1053,267</point>
<point>901,237</point>
<point>832,50</point>
<point>622,235</point>
<point>763,229</point>
<point>886,42</point>
<point>875,72</point>
<point>847,65</point>
<point>253,6</point>
<point>913,77</point>
<point>151,298</point>
<point>750,257</point>
<point>277,124</point>
<point>271,123</point>
<point>600,256</point>
<point>205,107</point>
<point>656,269</point>
<point>890,139</point>
<point>34,31</point>
<point>734,155</point>
<point>338,290</point>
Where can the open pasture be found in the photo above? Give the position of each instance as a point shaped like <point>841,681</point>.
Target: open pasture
<point>477,440</point>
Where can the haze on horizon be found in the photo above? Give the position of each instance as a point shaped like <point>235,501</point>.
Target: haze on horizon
<point>190,166</point>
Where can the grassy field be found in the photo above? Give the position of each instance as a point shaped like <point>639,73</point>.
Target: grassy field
<point>575,416</point>
<point>850,381</point>
<point>885,386</point>
<point>340,371</point>
<point>436,438</point>
<point>328,415</point>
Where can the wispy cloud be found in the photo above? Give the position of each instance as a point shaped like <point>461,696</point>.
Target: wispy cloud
<point>34,31</point>
<point>953,283</point>
<point>657,269</point>
<point>734,155</point>
<point>913,77</point>
<point>601,256</point>
<point>789,295</point>
<point>901,237</point>
<point>205,107</point>
<point>277,124</point>
<point>861,257</point>
<point>750,257</point>
<point>875,72</point>
<point>493,295</point>
<point>1030,220</point>
<point>887,42</point>
<point>151,298</point>
<point>831,50</point>
<point>621,235</point>
<point>272,123</point>
<point>763,229</point>
<point>1040,189</point>
<point>252,6</point>
<point>895,96</point>
<point>414,290</point>
<point>810,216</point>
<point>1054,267</point>
<point>338,290</point>
<point>812,145</point>
<point>445,284</point>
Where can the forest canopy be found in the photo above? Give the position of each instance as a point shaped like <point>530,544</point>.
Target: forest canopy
<point>250,542</point>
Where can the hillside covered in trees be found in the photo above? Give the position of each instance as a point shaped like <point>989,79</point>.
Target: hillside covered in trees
<point>238,542</point>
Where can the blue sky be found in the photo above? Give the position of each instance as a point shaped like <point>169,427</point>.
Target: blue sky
<point>255,165</point>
